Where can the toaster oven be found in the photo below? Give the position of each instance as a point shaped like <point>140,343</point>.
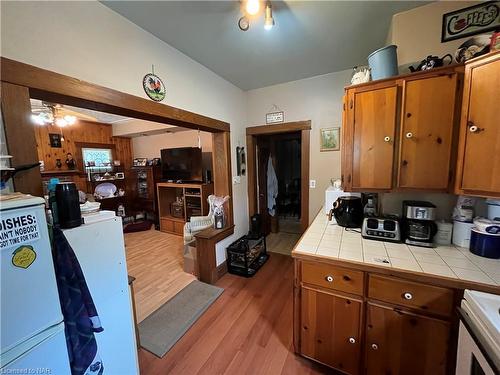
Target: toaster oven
<point>386,228</point>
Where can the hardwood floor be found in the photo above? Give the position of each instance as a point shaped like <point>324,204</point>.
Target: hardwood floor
<point>155,259</point>
<point>248,330</point>
<point>281,242</point>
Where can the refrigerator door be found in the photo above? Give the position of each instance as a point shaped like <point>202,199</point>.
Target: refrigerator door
<point>100,250</point>
<point>45,353</point>
<point>29,300</point>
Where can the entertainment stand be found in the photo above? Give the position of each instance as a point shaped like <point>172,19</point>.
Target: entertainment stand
<point>193,203</point>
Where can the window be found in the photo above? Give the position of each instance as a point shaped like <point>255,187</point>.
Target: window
<point>98,157</point>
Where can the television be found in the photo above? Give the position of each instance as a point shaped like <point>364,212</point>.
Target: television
<point>182,164</point>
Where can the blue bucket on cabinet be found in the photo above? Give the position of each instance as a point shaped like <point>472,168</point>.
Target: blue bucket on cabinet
<point>384,62</point>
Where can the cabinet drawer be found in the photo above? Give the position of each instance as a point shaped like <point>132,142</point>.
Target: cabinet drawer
<point>411,294</point>
<point>332,277</point>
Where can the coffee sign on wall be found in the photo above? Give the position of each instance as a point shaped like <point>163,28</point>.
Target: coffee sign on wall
<point>469,21</point>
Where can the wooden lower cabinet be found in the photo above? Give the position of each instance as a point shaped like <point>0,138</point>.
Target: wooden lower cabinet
<point>330,329</point>
<point>389,326</point>
<point>399,342</point>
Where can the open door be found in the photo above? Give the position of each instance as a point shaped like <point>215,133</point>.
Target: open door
<point>259,147</point>
<point>263,153</point>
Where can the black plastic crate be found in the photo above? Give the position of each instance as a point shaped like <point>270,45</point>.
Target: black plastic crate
<point>246,255</point>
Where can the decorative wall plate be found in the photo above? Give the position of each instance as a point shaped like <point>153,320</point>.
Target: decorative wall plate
<point>154,87</point>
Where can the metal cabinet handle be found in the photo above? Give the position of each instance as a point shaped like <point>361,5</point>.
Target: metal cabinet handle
<point>409,135</point>
<point>387,139</point>
<point>408,296</point>
<point>329,278</point>
<point>352,340</point>
<point>374,346</point>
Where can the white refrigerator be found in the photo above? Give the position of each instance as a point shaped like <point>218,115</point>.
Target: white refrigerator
<point>31,323</point>
<point>100,250</point>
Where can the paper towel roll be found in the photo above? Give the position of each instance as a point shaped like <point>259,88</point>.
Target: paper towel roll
<point>462,233</point>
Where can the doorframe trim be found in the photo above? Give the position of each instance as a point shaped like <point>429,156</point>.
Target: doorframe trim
<point>304,127</point>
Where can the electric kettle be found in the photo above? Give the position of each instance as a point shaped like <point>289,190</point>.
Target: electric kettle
<point>431,62</point>
<point>348,211</point>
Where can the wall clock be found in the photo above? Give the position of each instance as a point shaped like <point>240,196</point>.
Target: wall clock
<point>154,87</point>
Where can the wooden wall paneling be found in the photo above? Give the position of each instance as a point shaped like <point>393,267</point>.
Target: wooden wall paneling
<point>80,132</point>
<point>221,146</point>
<point>58,88</point>
<point>20,137</point>
<point>124,151</point>
<point>304,181</point>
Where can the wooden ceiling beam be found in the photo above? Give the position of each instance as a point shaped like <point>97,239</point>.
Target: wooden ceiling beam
<point>58,88</point>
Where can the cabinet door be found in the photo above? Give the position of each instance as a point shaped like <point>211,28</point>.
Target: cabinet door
<point>330,329</point>
<point>375,113</point>
<point>403,343</point>
<point>427,119</point>
<point>481,127</point>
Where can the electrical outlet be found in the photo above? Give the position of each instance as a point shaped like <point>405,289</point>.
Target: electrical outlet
<point>312,184</point>
<point>236,180</point>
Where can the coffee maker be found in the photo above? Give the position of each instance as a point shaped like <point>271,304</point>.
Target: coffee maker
<point>418,223</point>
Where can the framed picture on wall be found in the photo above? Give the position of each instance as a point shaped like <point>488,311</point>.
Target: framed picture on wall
<point>55,140</point>
<point>329,139</point>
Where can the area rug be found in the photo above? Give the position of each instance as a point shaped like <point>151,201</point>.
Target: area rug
<point>163,328</point>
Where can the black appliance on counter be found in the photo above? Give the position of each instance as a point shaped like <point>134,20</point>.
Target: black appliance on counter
<point>385,228</point>
<point>348,212</point>
<point>418,223</point>
<point>68,205</point>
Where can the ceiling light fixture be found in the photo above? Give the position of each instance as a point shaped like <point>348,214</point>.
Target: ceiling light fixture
<point>51,116</point>
<point>268,20</point>
<point>252,7</point>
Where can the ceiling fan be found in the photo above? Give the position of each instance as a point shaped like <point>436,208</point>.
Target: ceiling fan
<point>46,113</point>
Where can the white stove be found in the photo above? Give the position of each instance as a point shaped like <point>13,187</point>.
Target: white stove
<point>479,335</point>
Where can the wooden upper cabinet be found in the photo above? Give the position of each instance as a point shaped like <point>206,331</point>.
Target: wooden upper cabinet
<point>479,148</point>
<point>374,128</point>
<point>330,329</point>
<point>400,133</point>
<point>426,133</point>
<point>399,342</point>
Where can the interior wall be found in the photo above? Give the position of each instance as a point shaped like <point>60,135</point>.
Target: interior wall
<point>81,131</point>
<point>317,99</point>
<point>149,146</point>
<point>417,32</point>
<point>88,41</point>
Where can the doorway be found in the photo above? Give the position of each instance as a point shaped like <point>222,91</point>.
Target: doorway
<point>278,170</point>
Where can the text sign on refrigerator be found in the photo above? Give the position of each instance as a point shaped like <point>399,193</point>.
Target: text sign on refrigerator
<point>17,229</point>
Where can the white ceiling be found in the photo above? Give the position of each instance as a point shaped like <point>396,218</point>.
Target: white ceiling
<point>310,37</point>
<point>122,126</point>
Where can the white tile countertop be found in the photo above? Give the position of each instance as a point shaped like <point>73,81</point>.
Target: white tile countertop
<point>326,240</point>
